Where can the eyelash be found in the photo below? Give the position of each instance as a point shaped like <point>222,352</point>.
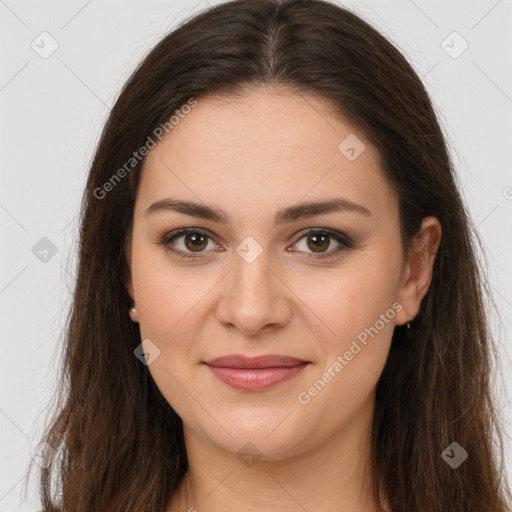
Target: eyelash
<point>343,240</point>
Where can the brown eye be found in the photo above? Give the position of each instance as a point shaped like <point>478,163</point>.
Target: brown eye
<point>195,241</point>
<point>188,243</point>
<point>318,242</point>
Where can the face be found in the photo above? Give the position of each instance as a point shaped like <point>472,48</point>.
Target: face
<point>325,286</point>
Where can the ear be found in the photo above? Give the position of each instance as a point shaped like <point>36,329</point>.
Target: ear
<point>417,274</point>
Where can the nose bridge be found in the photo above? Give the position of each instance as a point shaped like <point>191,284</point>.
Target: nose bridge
<point>254,297</point>
<point>251,276</point>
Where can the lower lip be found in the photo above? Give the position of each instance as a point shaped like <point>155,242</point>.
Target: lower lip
<point>256,379</point>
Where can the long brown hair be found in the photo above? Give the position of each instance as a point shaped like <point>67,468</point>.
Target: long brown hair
<point>116,444</point>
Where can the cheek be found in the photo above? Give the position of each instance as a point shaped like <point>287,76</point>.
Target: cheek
<point>357,304</point>
<point>170,309</point>
<point>168,297</point>
<point>350,299</point>
<point>358,309</point>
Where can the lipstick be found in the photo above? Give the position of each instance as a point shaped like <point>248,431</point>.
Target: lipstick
<point>255,373</point>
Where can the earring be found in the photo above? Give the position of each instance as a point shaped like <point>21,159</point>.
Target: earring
<point>408,325</point>
<point>133,313</point>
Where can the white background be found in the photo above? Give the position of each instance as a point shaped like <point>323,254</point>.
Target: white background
<point>52,113</point>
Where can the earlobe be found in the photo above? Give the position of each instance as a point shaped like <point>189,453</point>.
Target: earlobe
<point>418,274</point>
<point>134,315</point>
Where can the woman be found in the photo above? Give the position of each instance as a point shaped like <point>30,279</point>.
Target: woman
<point>278,301</point>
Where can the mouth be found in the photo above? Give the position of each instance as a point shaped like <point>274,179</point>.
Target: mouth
<point>255,373</point>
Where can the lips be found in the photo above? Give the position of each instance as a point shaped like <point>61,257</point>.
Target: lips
<point>255,373</point>
<point>264,361</point>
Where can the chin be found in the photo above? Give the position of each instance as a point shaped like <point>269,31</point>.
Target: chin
<point>269,435</point>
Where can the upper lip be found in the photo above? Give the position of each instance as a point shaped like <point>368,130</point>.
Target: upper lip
<point>263,361</point>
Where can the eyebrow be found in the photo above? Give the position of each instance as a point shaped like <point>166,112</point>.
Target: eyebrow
<point>287,215</point>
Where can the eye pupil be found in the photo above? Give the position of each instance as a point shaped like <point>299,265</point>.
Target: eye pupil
<point>316,238</point>
<point>194,238</point>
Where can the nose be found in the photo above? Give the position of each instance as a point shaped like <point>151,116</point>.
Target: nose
<point>254,298</point>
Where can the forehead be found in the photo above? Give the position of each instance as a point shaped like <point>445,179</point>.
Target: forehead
<point>262,151</point>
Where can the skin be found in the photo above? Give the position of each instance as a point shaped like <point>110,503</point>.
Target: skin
<point>252,156</point>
